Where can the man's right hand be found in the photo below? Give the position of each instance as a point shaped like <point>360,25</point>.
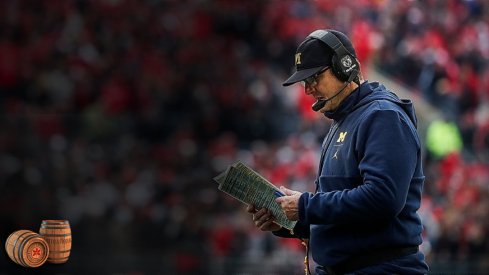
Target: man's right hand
<point>263,219</point>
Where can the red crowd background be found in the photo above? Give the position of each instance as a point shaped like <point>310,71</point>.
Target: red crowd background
<point>116,115</point>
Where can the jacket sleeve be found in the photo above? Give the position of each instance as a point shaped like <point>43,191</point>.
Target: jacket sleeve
<point>387,150</point>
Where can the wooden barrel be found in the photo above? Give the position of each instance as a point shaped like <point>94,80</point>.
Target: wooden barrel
<point>57,234</point>
<point>27,248</point>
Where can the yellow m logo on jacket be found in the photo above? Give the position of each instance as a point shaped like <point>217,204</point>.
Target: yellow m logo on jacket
<point>342,136</point>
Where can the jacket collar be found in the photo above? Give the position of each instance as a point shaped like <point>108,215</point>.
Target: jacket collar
<point>349,103</point>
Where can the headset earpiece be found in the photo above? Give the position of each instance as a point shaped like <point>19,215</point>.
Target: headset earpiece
<point>338,70</point>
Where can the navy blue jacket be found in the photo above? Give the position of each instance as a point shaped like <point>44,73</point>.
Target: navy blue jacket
<point>370,181</point>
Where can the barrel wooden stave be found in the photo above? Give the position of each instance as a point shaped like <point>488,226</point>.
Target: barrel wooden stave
<point>27,248</point>
<point>57,234</point>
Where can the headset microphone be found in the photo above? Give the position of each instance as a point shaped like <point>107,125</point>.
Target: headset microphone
<point>319,104</point>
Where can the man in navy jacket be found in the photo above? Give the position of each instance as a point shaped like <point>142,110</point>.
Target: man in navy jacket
<point>362,218</point>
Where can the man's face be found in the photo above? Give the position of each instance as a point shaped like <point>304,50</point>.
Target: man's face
<point>326,86</point>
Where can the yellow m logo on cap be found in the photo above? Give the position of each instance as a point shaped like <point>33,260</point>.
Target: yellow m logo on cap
<point>297,58</point>
<point>342,136</point>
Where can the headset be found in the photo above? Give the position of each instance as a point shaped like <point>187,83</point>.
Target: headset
<point>345,65</point>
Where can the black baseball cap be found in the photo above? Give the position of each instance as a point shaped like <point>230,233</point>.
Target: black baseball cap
<point>313,55</point>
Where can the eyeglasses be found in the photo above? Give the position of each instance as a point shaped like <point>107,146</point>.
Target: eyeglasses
<point>313,80</point>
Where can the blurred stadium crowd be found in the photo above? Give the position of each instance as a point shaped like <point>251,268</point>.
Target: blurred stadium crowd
<point>116,114</point>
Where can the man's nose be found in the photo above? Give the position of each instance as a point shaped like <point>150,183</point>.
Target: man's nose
<point>308,89</point>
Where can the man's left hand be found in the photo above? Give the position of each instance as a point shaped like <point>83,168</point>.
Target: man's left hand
<point>289,203</point>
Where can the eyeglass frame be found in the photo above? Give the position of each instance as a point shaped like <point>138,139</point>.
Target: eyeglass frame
<point>313,79</point>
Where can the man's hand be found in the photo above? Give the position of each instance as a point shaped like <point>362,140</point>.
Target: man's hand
<point>289,203</point>
<point>263,219</point>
